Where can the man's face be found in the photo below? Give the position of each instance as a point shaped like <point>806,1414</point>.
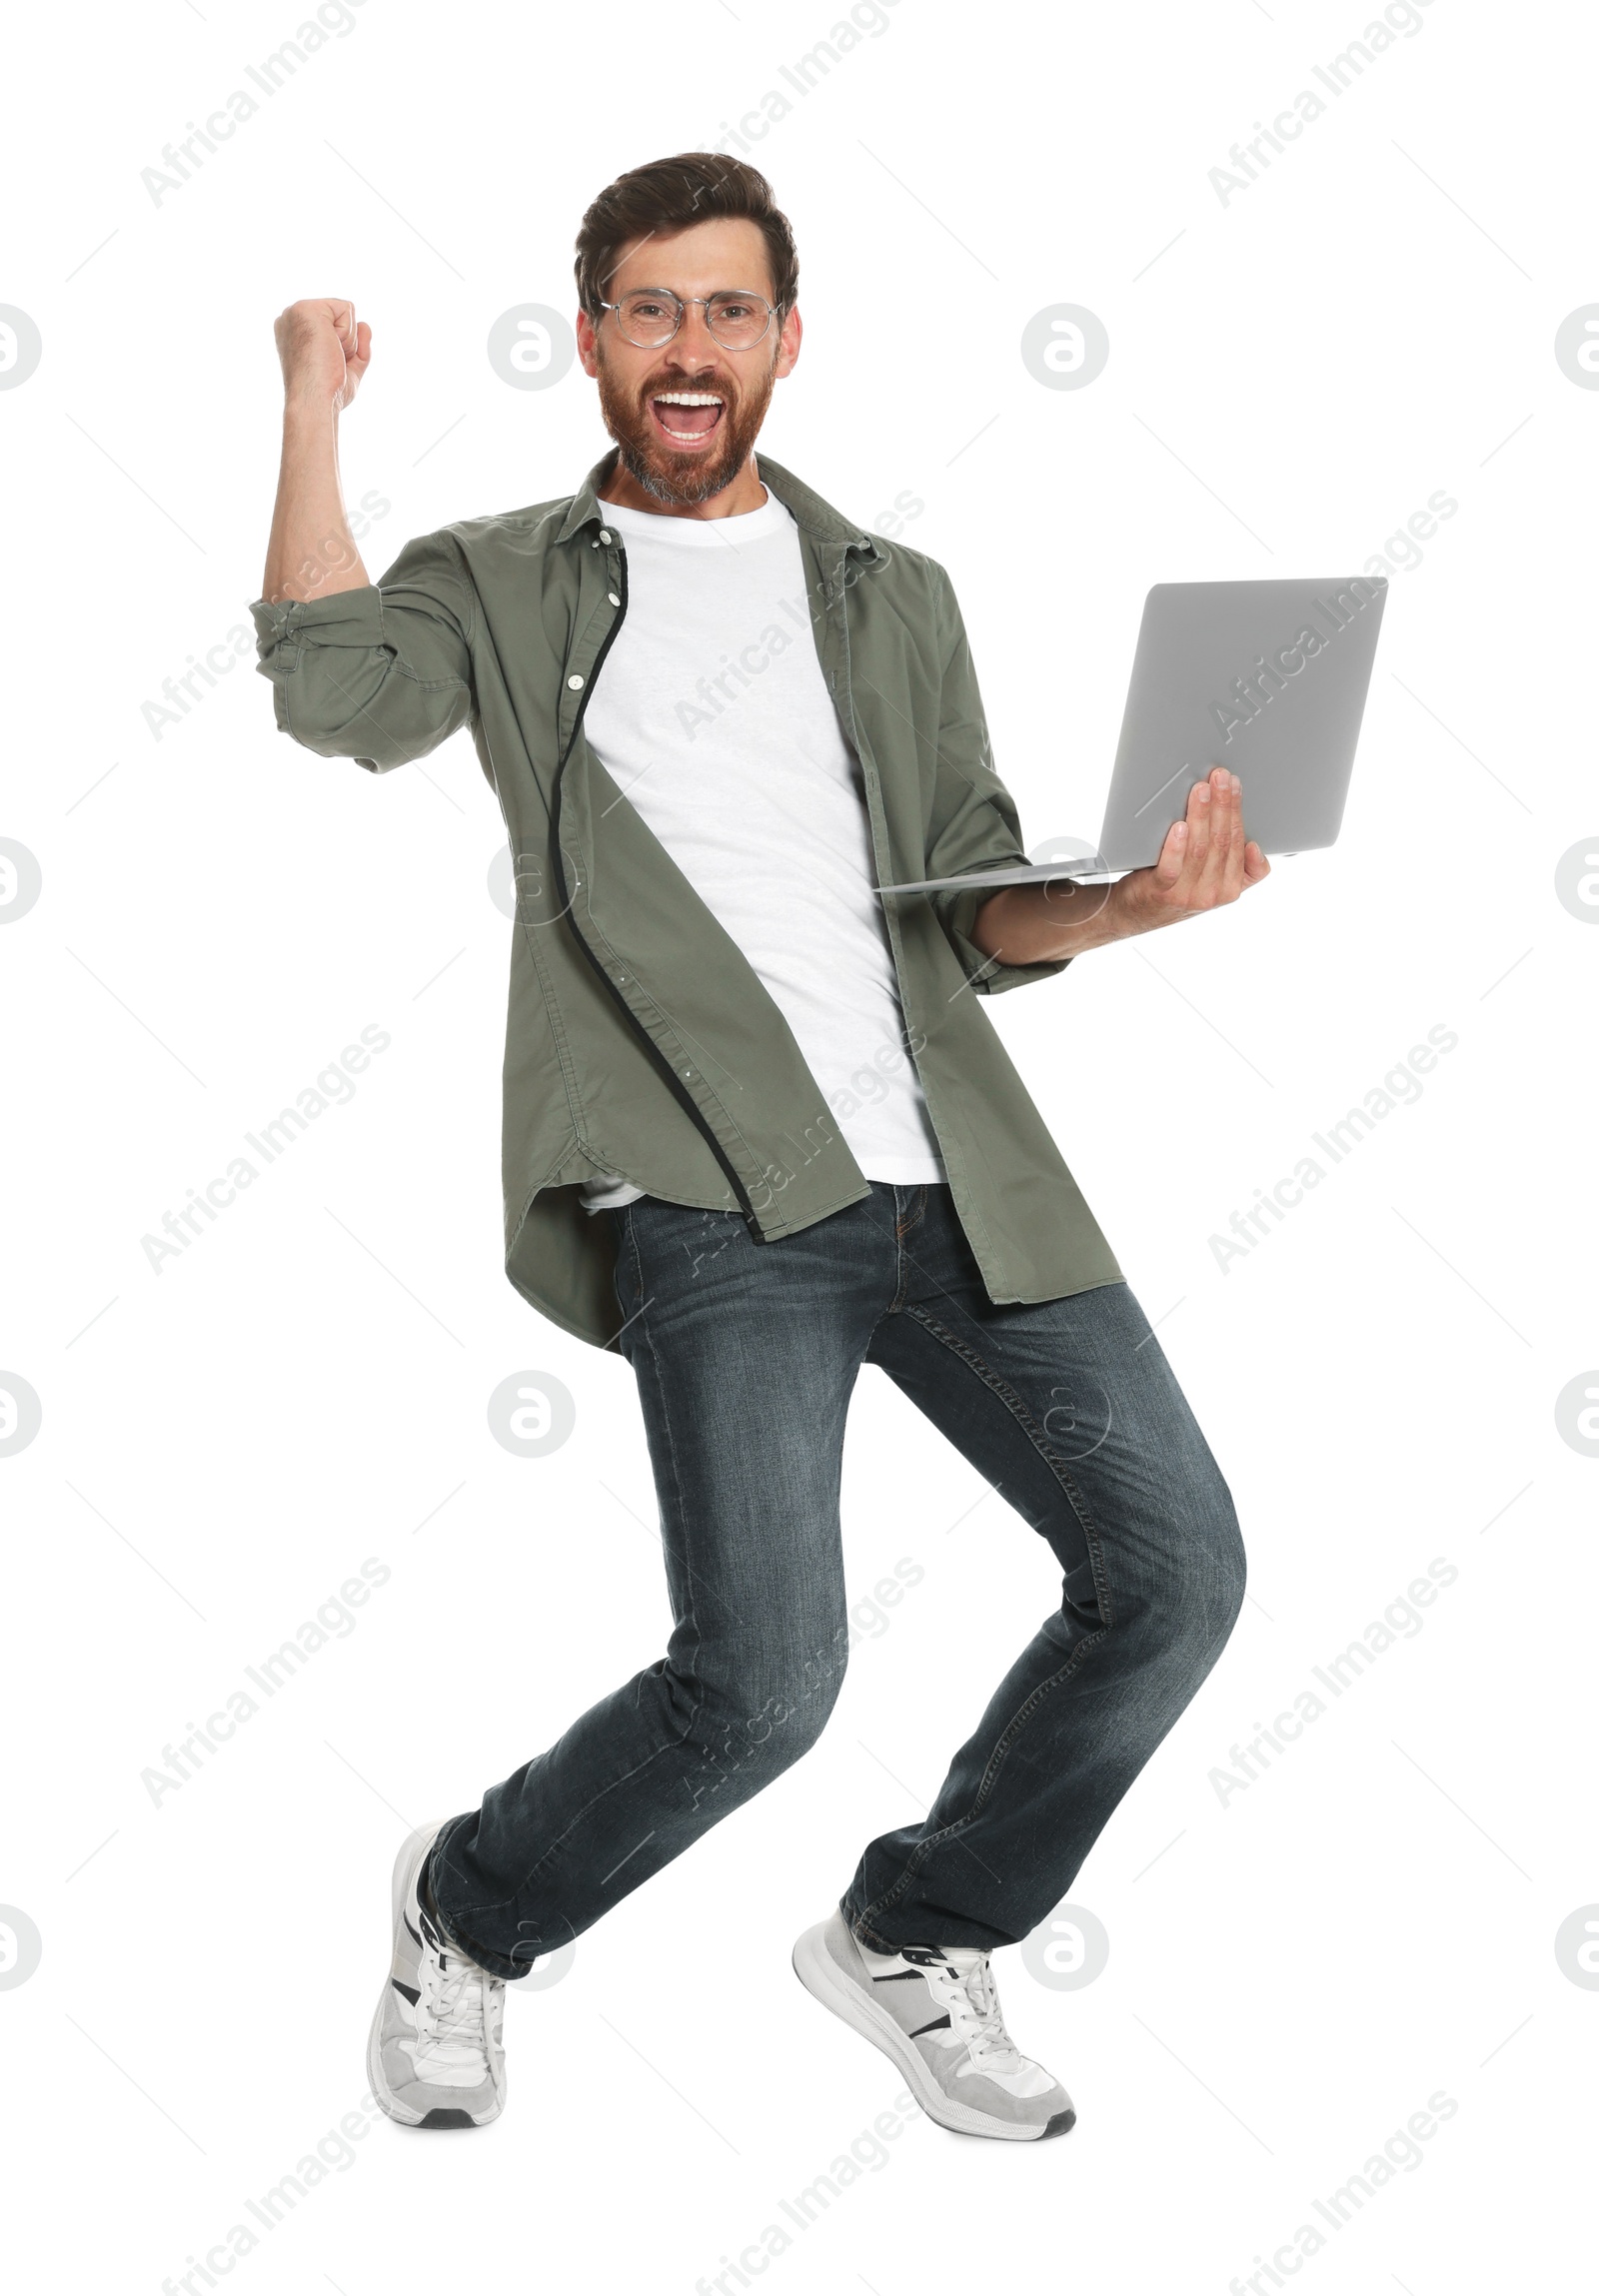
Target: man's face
<point>684,454</point>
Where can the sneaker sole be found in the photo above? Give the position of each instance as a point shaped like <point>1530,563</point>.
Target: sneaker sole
<point>816,1970</point>
<point>440,2116</point>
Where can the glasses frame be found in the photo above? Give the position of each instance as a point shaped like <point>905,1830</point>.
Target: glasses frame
<point>682,303</point>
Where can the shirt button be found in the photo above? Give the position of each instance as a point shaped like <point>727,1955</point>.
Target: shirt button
<point>575,681</point>
<point>605,534</point>
<point>611,594</point>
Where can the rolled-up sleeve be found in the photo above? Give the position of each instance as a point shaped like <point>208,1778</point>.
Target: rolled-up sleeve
<point>382,675</point>
<point>975,821</point>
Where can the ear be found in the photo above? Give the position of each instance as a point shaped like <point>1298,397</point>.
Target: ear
<point>588,349</point>
<point>788,341</point>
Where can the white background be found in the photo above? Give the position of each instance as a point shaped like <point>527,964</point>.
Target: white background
<point>1291,374</point>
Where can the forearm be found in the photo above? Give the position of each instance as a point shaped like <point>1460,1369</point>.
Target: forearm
<point>312,552</point>
<point>1205,862</point>
<point>1037,924</point>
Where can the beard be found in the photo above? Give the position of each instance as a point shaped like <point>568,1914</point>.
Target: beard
<point>676,475</point>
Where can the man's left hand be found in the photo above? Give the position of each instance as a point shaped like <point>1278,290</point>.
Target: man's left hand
<point>1205,863</point>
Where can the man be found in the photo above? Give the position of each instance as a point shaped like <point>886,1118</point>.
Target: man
<point>759,1131</point>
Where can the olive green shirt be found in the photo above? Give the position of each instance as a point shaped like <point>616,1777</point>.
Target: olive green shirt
<point>640,1039</point>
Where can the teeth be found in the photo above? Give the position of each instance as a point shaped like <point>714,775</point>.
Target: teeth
<point>688,399</point>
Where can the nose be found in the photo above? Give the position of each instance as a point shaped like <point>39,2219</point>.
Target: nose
<point>694,345</point>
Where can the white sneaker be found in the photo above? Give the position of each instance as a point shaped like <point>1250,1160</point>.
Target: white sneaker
<point>434,2056</point>
<point>935,2010</point>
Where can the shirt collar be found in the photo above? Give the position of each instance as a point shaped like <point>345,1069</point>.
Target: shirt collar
<point>809,509</point>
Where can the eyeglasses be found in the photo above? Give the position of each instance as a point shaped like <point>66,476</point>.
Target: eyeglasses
<point>652,316</point>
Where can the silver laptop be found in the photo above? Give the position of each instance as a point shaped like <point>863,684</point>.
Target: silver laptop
<point>1266,677</point>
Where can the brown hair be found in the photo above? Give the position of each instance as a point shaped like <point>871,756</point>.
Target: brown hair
<point>670,195</point>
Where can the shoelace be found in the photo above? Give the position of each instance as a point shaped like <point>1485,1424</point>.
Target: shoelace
<point>972,2001</point>
<point>449,2016</point>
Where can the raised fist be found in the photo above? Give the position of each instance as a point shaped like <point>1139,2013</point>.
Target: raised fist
<point>324,353</point>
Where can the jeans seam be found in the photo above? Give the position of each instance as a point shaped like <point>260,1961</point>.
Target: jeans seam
<point>1018,1720</point>
<point>958,1826</point>
<point>913,1212</point>
<point>859,1924</point>
<point>499,1906</point>
<point>671,1446</point>
<point>1040,1443</point>
<point>901,1228</point>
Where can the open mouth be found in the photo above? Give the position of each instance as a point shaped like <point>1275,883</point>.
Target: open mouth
<point>687,417</point>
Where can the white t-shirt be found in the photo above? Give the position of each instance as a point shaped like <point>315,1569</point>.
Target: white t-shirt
<point>713,717</point>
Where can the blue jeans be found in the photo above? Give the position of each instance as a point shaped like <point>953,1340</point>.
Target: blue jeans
<point>746,1355</point>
